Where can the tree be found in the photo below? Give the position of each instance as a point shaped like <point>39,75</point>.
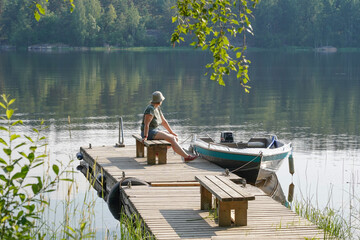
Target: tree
<point>215,24</point>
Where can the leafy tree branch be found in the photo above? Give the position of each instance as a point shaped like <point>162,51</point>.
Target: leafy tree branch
<point>215,25</point>
<point>22,190</point>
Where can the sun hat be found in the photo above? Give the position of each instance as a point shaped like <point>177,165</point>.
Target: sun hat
<point>157,97</point>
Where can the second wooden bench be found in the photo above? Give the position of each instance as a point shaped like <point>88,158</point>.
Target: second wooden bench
<point>229,196</point>
<point>154,148</point>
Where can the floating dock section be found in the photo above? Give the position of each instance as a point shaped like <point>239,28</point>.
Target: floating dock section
<point>170,204</point>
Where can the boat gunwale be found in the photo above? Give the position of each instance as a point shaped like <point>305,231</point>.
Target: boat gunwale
<point>268,152</point>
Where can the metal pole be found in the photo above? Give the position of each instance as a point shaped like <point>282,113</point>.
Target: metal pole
<point>121,134</point>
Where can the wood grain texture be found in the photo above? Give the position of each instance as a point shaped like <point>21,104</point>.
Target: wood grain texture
<point>172,211</point>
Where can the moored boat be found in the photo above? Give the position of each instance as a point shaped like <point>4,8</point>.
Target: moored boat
<point>243,158</point>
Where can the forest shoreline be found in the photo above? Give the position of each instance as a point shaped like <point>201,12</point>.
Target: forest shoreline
<point>63,47</point>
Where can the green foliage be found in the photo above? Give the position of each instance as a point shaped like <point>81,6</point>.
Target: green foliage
<point>327,219</point>
<point>39,10</point>
<point>21,188</point>
<point>215,25</point>
<point>133,228</point>
<point>276,23</point>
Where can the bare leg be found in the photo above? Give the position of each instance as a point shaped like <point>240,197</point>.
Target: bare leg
<point>174,144</point>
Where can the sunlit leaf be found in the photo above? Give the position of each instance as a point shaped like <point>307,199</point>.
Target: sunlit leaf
<point>11,102</point>
<point>29,138</point>
<point>37,15</point>
<point>55,169</point>
<point>4,218</point>
<point>17,122</point>
<point>14,136</point>
<point>2,161</point>
<point>20,145</point>
<point>9,168</point>
<point>9,113</point>
<point>35,188</point>
<point>40,9</point>
<point>7,151</point>
<point>31,156</point>
<point>2,177</point>
<point>31,208</point>
<point>22,196</point>
<point>2,141</point>
<point>18,175</point>
<point>67,179</point>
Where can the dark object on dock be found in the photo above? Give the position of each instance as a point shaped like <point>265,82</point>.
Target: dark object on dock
<point>114,199</point>
<point>79,156</point>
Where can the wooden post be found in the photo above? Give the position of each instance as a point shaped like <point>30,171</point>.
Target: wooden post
<point>162,154</point>
<point>206,198</point>
<point>139,149</point>
<point>151,157</point>
<point>241,213</point>
<point>224,211</point>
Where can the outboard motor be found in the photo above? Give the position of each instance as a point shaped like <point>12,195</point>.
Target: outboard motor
<point>226,137</point>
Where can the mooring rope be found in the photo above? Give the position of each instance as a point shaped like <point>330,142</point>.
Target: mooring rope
<point>187,138</point>
<point>237,169</point>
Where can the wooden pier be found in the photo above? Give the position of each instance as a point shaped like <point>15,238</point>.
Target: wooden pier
<point>170,206</point>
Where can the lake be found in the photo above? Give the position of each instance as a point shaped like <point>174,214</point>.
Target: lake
<point>306,98</point>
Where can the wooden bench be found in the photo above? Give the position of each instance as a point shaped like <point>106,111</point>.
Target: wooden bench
<point>229,196</point>
<point>154,148</point>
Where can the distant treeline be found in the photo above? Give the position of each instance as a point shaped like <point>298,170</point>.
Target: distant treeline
<point>125,23</point>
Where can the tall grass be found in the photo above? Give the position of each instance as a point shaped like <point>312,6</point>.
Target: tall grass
<point>342,222</point>
<point>70,218</point>
<point>133,228</point>
<point>76,218</point>
<point>28,183</point>
<point>333,224</point>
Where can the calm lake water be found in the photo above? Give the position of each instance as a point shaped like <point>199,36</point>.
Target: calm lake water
<point>311,100</point>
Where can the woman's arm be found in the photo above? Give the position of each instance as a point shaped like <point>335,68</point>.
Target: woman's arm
<point>147,120</point>
<point>166,125</point>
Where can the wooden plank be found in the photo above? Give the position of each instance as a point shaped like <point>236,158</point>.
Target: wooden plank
<point>223,184</point>
<point>175,184</point>
<point>240,190</point>
<point>171,210</point>
<point>214,189</point>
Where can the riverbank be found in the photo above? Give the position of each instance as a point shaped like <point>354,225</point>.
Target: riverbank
<point>62,47</point>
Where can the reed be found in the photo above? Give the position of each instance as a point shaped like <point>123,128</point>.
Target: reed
<point>133,228</point>
<point>333,224</point>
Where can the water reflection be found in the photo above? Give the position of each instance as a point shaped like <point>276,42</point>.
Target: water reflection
<point>308,99</point>
<point>270,184</point>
